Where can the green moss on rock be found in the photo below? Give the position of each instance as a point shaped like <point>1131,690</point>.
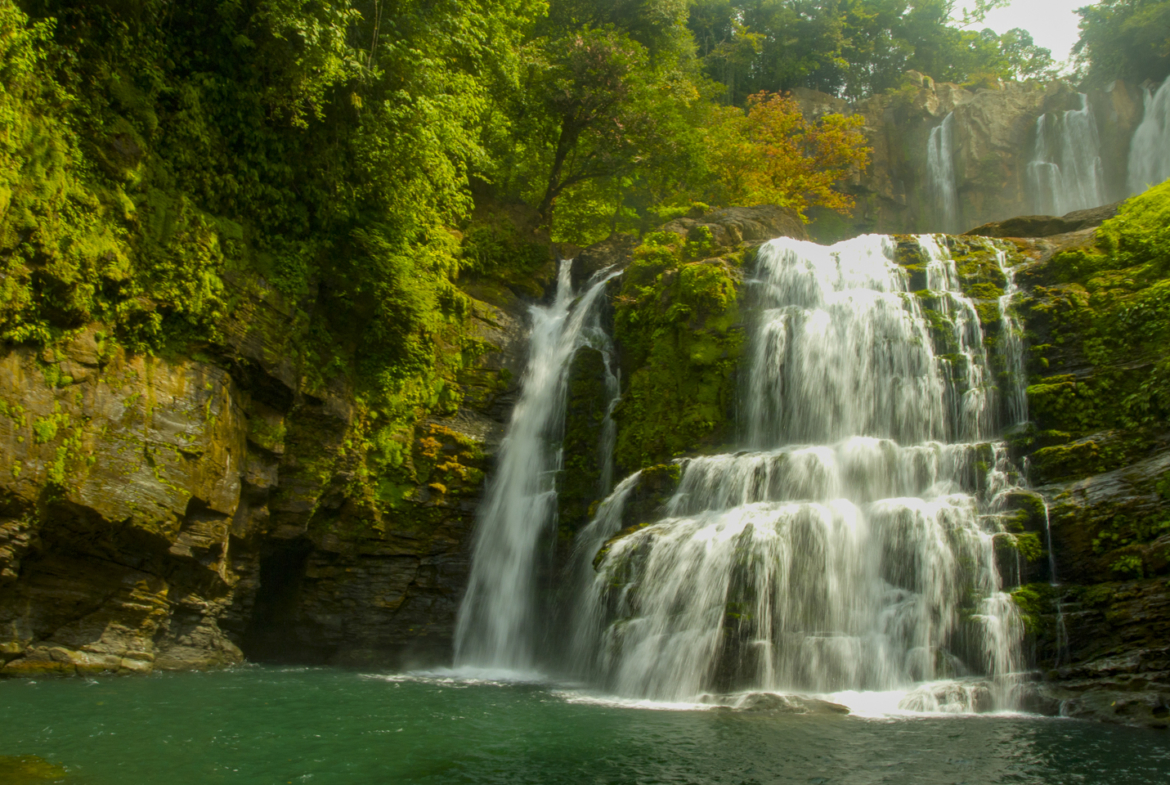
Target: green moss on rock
<point>678,326</point>
<point>579,481</point>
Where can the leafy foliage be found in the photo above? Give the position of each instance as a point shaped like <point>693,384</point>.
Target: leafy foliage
<point>772,155</point>
<point>854,48</point>
<point>1125,39</point>
<point>156,148</point>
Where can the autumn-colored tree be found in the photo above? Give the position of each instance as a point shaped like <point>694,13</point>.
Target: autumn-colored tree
<point>772,155</point>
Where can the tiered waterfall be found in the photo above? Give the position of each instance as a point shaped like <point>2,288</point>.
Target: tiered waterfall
<point>850,545</point>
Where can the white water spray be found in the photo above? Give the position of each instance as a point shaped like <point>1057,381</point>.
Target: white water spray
<point>854,548</point>
<point>1011,344</point>
<point>940,171</point>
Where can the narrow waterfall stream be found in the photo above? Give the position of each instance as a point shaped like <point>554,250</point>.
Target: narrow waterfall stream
<point>1149,152</point>
<point>1065,173</point>
<point>498,621</point>
<point>940,172</point>
<point>849,547</point>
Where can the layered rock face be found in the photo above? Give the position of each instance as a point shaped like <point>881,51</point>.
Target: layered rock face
<point>992,141</point>
<point>186,512</point>
<point>196,510</point>
<point>1096,309</point>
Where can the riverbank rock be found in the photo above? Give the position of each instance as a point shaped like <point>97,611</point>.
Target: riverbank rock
<point>773,703</point>
<point>1047,225</point>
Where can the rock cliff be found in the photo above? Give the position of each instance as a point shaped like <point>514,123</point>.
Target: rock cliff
<point>192,510</point>
<point>188,511</point>
<point>993,140</point>
<point>1096,304</point>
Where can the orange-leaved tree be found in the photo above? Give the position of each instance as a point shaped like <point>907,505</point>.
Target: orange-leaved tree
<point>772,155</point>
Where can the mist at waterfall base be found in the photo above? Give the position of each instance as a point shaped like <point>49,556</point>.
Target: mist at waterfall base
<point>258,725</point>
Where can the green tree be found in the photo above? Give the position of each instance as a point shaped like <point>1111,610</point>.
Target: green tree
<point>852,48</point>
<point>322,144</point>
<point>602,102</point>
<point>1125,39</point>
<point>771,154</point>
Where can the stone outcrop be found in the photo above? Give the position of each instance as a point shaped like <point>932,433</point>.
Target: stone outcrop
<point>1099,452</point>
<point>1046,225</point>
<point>191,511</point>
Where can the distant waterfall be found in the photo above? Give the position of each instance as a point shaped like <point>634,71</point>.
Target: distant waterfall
<point>940,172</point>
<point>1149,152</point>
<point>1065,173</point>
<point>852,546</point>
<point>497,620</point>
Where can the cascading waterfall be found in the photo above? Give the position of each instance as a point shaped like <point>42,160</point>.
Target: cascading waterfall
<point>1149,152</point>
<point>1012,346</point>
<point>852,546</point>
<point>1065,173</point>
<point>940,171</point>
<point>497,620</point>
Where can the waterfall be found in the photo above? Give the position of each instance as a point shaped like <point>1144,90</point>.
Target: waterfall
<point>851,546</point>
<point>1149,152</point>
<point>940,171</point>
<point>1012,346</point>
<point>1065,173</point>
<point>497,619</point>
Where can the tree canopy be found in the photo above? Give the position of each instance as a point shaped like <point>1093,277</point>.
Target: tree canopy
<point>1125,39</point>
<point>155,151</point>
<point>854,48</point>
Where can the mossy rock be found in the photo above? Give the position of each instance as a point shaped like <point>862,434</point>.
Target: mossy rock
<point>579,481</point>
<point>677,325</point>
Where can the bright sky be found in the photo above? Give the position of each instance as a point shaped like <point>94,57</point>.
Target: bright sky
<point>1052,23</point>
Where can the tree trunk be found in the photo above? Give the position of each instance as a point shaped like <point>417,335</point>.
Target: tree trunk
<point>565,144</point>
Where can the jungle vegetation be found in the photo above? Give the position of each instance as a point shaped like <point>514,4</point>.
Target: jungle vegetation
<point>336,150</point>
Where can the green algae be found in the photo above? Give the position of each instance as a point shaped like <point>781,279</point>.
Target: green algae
<point>22,769</point>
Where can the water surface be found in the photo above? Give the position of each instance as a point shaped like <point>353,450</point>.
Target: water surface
<point>322,726</point>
